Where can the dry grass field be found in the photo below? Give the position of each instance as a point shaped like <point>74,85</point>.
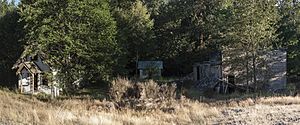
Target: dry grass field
<point>22,109</point>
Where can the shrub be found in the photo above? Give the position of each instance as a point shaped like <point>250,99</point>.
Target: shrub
<point>43,96</point>
<point>125,89</point>
<point>152,90</point>
<point>119,87</point>
<point>209,93</point>
<point>141,95</point>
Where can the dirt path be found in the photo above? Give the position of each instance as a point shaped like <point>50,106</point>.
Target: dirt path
<point>260,114</point>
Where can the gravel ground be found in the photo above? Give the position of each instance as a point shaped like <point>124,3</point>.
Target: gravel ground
<point>260,115</point>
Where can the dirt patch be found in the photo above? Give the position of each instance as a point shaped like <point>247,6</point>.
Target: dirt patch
<point>260,114</point>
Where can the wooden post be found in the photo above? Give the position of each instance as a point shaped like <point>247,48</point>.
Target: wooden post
<point>247,71</point>
<point>225,91</point>
<point>202,44</point>
<point>52,91</point>
<point>136,64</point>
<point>32,81</point>
<point>20,82</point>
<point>254,70</point>
<point>39,81</point>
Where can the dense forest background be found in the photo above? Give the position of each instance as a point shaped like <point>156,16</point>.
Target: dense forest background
<point>100,39</point>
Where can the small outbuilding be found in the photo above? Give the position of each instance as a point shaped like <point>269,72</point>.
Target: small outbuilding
<point>210,69</point>
<point>150,69</point>
<point>31,72</point>
<point>221,71</point>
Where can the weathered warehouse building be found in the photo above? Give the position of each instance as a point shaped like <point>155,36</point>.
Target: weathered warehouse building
<point>226,68</point>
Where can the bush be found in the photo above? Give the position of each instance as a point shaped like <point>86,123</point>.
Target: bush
<point>43,97</point>
<point>141,95</point>
<point>152,90</point>
<point>119,87</point>
<point>209,93</point>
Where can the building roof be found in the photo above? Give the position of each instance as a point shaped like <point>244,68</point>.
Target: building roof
<point>33,66</point>
<point>150,64</point>
<point>42,66</point>
<point>215,58</point>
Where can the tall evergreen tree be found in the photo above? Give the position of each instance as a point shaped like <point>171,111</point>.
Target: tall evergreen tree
<point>11,33</point>
<point>187,30</point>
<point>289,33</point>
<point>135,33</point>
<point>251,31</point>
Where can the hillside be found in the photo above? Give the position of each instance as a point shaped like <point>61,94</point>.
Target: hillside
<point>21,109</point>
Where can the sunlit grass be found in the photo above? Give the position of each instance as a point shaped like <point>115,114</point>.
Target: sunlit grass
<point>21,109</point>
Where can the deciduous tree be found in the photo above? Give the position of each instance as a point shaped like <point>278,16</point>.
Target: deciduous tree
<point>77,38</point>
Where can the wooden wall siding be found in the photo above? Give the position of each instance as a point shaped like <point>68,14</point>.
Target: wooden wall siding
<point>271,69</point>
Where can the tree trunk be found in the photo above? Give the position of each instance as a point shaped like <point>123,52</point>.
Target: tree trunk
<point>247,71</point>
<point>137,61</point>
<point>254,69</point>
<point>202,45</point>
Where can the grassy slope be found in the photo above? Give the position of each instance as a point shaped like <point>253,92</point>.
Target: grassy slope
<point>21,109</point>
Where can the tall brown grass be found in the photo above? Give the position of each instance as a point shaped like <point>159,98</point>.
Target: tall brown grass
<point>26,109</point>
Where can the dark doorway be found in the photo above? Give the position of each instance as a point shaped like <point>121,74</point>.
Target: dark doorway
<point>231,79</point>
<point>35,82</point>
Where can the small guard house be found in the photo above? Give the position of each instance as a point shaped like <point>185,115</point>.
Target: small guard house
<point>150,69</point>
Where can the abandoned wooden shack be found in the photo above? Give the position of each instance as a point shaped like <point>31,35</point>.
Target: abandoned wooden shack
<point>209,72</point>
<point>221,74</point>
<point>150,69</point>
<point>211,69</point>
<point>271,69</point>
<point>31,72</point>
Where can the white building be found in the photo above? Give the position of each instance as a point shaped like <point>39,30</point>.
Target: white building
<point>149,69</point>
<point>31,72</point>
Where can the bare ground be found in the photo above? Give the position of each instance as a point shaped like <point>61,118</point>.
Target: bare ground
<point>259,114</point>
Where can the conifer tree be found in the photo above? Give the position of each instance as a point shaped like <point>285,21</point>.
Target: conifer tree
<point>11,33</point>
<point>252,30</point>
<point>135,33</point>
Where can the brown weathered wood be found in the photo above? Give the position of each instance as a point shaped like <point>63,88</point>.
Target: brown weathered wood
<point>32,82</point>
<point>20,83</point>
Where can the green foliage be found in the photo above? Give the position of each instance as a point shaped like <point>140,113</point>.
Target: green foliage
<point>11,33</point>
<point>43,97</point>
<point>134,33</point>
<point>187,31</point>
<point>77,38</point>
<point>289,33</point>
<point>154,5</point>
<point>94,40</point>
<point>250,33</point>
<point>152,72</point>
